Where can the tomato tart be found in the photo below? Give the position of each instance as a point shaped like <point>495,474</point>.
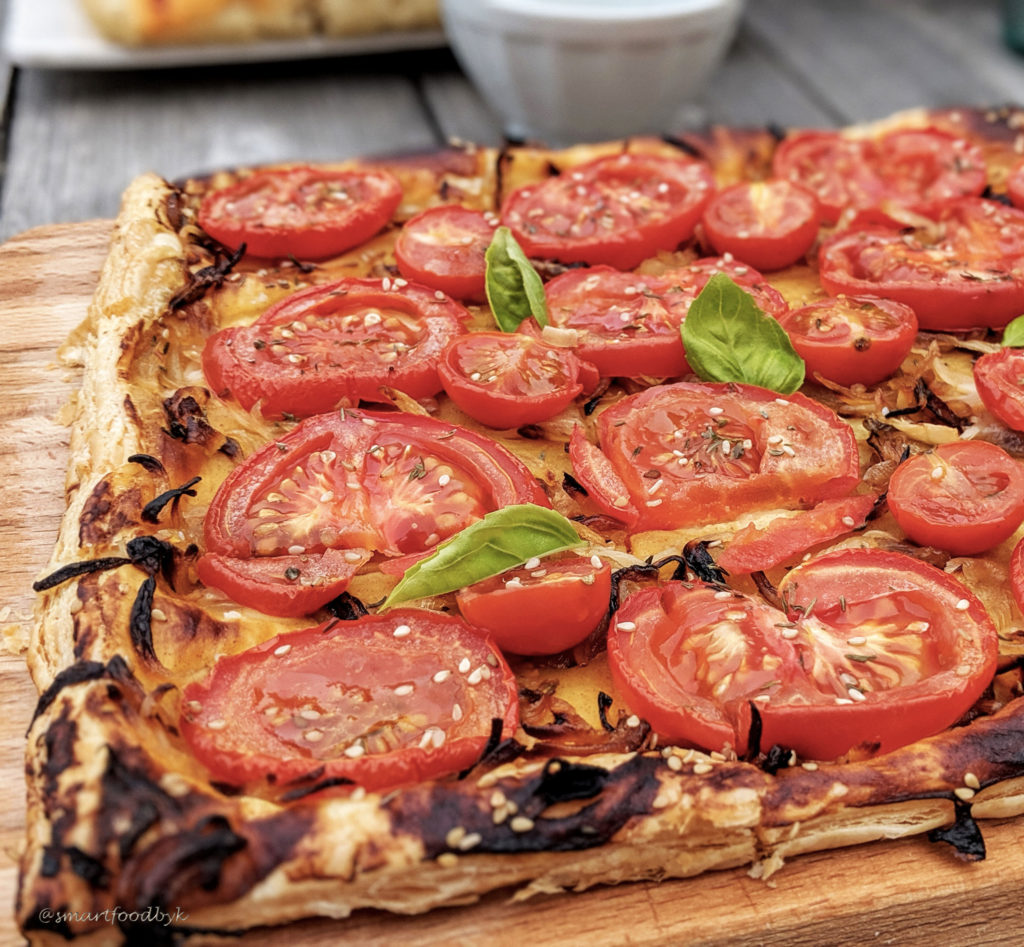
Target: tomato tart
<point>535,519</point>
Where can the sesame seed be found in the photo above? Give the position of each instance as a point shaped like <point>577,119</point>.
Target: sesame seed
<point>497,799</point>
<point>964,792</point>
<point>441,676</point>
<point>444,480</point>
<point>723,595</point>
<point>810,767</point>
<point>857,640</point>
<point>716,410</point>
<point>848,521</point>
<point>352,556</point>
<point>402,631</point>
<point>217,724</point>
<point>625,626</point>
<point>789,633</point>
<point>532,563</point>
<point>296,550</point>
<point>354,751</point>
<point>856,693</point>
<point>476,677</point>
<point>471,840</point>
<point>937,473</point>
<point>456,712</point>
<point>448,859</point>
<point>464,665</point>
<point>972,781</point>
<point>632,721</point>
<point>315,736</point>
<point>282,649</point>
<point>702,769</point>
<point>454,836</point>
<point>310,714</point>
<point>963,605</point>
<point>404,690</point>
<point>521,823</point>
<point>656,502</point>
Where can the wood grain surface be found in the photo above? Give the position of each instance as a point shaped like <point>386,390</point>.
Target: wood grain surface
<point>908,892</point>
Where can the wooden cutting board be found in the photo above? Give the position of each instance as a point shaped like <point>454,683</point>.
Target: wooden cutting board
<point>908,892</point>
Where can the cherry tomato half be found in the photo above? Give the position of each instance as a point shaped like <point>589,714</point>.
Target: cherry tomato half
<point>443,247</point>
<point>309,213</point>
<point>378,702</point>
<point>627,324</point>
<point>876,650</point>
<point>340,342</point>
<point>852,339</point>
<point>768,224</point>
<point>693,453</point>
<point>915,169</point>
<point>999,378</point>
<point>392,483</point>
<point>618,210</point>
<point>506,380</point>
<point>541,608</point>
<point>964,497</point>
<point>964,271</point>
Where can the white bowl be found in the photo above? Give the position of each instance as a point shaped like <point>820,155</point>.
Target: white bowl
<point>577,70</point>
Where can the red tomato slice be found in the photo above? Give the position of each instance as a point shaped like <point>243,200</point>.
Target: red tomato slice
<point>852,339</point>
<point>627,324</point>
<point>964,497</point>
<point>379,701</point>
<point>443,247</point>
<point>693,453</point>
<point>543,607</point>
<point>507,380</point>
<point>876,650</point>
<point>392,483</point>
<point>309,213</point>
<point>340,342</point>
<point>915,169</point>
<point>755,549</point>
<point>287,586</point>
<point>964,271</point>
<point>618,210</point>
<point>999,378</point>
<point>768,224</point>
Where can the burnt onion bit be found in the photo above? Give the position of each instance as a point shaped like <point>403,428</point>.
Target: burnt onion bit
<point>964,834</point>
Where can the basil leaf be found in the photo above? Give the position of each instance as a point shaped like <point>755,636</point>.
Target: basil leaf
<point>728,338</point>
<point>515,290</point>
<point>501,540</point>
<point>1013,334</point>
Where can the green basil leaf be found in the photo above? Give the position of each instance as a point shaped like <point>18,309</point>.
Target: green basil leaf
<point>501,540</point>
<point>1013,334</point>
<point>515,290</point>
<point>728,338</point>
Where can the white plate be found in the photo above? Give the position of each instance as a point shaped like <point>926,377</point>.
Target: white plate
<point>56,34</point>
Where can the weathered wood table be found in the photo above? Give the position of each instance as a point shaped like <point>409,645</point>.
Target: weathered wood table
<point>72,138</point>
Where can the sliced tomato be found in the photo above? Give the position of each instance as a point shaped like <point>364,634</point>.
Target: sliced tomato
<point>768,224</point>
<point>506,380</point>
<point>757,549</point>
<point>543,607</point>
<point>876,650</point>
<point>852,339</point>
<point>379,702</point>
<point>304,212</point>
<point>909,169</point>
<point>627,324</point>
<point>443,247</point>
<point>964,271</point>
<point>692,453</point>
<point>618,210</point>
<point>337,343</point>
<point>964,497</point>
<point>392,483</point>
<point>999,378</point>
<point>287,586</point>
